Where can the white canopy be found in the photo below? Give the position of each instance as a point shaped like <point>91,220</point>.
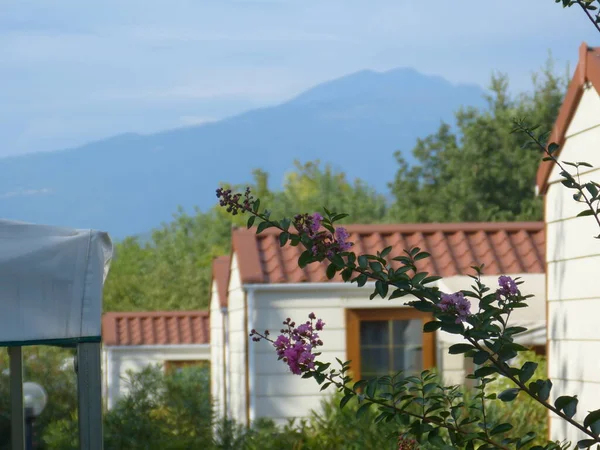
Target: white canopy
<point>51,282</point>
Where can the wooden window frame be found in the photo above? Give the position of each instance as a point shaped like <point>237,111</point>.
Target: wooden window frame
<point>355,316</point>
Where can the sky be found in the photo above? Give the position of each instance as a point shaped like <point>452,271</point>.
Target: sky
<point>73,72</point>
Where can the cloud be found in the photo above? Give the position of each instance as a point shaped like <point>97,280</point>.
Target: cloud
<point>196,120</point>
<point>26,193</point>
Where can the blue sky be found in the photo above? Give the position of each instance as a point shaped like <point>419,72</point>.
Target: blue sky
<point>74,71</point>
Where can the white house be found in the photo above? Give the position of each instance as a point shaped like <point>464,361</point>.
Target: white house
<point>573,255</point>
<point>133,340</point>
<point>260,285</point>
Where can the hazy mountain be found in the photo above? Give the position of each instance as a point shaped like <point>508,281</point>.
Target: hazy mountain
<point>131,183</point>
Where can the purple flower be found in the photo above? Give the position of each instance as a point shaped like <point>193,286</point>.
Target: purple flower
<point>456,304</point>
<point>508,286</point>
<point>341,237</point>
<point>319,325</point>
<point>315,223</point>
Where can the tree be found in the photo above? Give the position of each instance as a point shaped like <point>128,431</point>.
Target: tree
<point>479,172</point>
<point>173,270</point>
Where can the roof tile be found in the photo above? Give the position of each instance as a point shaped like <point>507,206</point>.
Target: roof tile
<point>155,328</point>
<point>509,247</point>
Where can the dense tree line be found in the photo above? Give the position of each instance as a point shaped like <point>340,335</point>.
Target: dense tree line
<point>473,170</point>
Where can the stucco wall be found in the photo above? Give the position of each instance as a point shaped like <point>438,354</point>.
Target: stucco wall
<point>277,393</point>
<point>216,354</point>
<point>238,338</point>
<point>573,258</point>
<point>117,361</point>
<point>533,317</point>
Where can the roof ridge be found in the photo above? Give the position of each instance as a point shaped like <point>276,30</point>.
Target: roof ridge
<point>588,69</point>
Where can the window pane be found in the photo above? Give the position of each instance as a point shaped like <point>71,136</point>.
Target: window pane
<point>408,360</point>
<point>374,361</point>
<point>374,332</point>
<point>390,346</point>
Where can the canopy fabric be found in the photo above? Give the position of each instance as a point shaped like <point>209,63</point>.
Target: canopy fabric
<point>51,282</point>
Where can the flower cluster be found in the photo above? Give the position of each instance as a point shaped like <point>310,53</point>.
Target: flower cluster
<point>456,304</point>
<point>295,344</point>
<point>323,241</point>
<point>232,201</point>
<point>508,286</point>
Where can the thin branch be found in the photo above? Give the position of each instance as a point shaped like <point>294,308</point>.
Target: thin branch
<point>587,13</point>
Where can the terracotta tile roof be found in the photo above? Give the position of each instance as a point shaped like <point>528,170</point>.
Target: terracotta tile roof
<point>220,274</point>
<point>587,70</point>
<point>155,328</point>
<point>510,248</point>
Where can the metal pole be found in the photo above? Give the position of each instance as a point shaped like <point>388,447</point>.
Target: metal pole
<point>89,390</point>
<point>17,413</point>
<point>29,428</point>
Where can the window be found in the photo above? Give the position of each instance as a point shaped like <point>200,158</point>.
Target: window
<point>176,366</point>
<point>386,341</point>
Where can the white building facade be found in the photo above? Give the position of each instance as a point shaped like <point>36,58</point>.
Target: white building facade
<point>573,254</point>
<point>134,340</point>
<point>264,286</point>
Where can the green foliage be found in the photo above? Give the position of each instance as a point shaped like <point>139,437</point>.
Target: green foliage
<point>173,271</point>
<point>52,368</point>
<point>480,171</point>
<point>160,411</point>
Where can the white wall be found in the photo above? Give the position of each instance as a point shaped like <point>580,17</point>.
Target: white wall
<point>217,380</point>
<point>277,392</point>
<point>453,368</point>
<point>118,360</point>
<point>573,260</point>
<point>238,337</point>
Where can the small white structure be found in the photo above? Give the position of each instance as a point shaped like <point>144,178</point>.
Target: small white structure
<point>134,340</point>
<point>51,282</point>
<point>573,255</point>
<point>260,285</point>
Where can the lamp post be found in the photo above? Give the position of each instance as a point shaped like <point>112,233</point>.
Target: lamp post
<point>34,399</point>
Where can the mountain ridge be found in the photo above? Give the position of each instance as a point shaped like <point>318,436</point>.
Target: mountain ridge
<point>129,183</point>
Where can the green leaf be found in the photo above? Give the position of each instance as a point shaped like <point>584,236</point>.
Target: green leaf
<point>502,428</point>
<point>382,288</point>
<point>361,280</point>
<point>509,395</point>
<point>527,371</point>
<point>431,326</point>
<point>480,357</point>
<point>285,223</point>
<point>592,417</point>
<point>545,388</point>
<point>363,262</point>
<point>371,388</point>
<point>305,258</point>
<point>347,273</point>
<point>586,443</point>
<point>251,220</point>
<point>256,205</point>
<point>584,164</point>
<point>553,147</point>
<point>422,255</point>
<point>485,371</point>
<point>567,404</point>
<point>263,226</point>
<point>587,212</point>
<point>419,277</point>
<point>386,251</point>
<point>283,238</point>
<point>363,409</point>
<point>330,272</point>
<point>345,399</point>
<point>457,349</point>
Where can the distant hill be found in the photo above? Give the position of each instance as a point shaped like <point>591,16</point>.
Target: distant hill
<point>131,183</point>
